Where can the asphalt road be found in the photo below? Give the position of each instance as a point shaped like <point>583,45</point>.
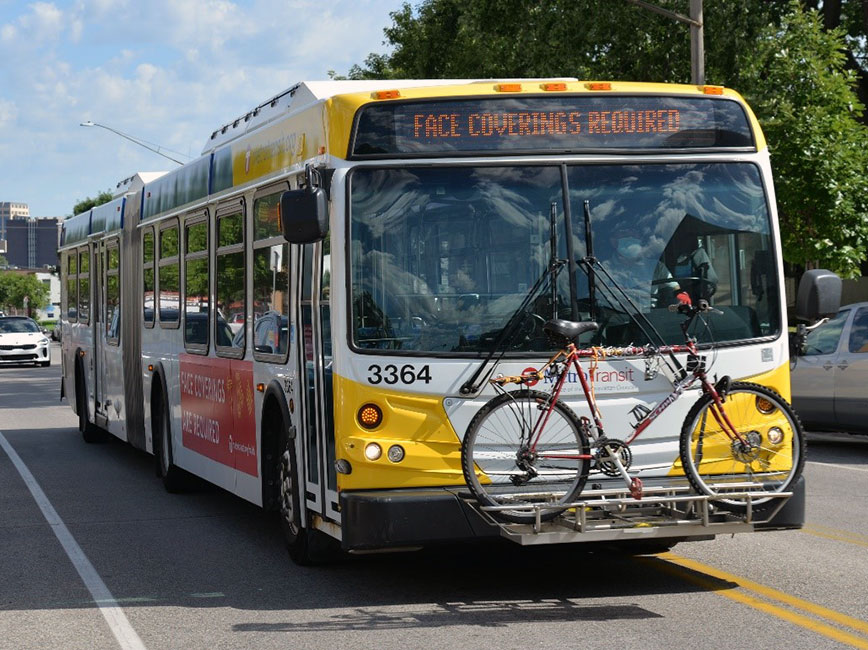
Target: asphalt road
<point>207,570</point>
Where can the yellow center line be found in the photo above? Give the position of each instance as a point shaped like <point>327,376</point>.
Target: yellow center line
<point>835,534</point>
<point>701,574</point>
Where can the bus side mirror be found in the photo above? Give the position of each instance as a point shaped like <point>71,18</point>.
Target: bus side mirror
<point>819,295</point>
<point>304,215</point>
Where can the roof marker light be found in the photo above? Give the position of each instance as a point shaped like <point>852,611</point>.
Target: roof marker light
<point>554,86</point>
<point>508,88</point>
<point>598,85</point>
<point>712,90</point>
<point>386,94</point>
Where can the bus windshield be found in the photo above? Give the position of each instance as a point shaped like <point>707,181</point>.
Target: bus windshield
<point>441,257</point>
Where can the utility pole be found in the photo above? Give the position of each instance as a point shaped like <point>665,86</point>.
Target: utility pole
<point>697,44</point>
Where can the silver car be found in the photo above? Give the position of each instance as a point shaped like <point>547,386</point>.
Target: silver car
<point>830,376</point>
<point>22,341</point>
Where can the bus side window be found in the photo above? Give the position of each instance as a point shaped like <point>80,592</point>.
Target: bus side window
<point>113,294</point>
<point>169,271</point>
<point>148,277</point>
<point>230,283</point>
<point>270,282</point>
<point>84,285</point>
<point>72,286</point>
<point>196,287</point>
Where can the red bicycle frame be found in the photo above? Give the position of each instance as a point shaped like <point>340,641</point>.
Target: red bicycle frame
<point>573,354</point>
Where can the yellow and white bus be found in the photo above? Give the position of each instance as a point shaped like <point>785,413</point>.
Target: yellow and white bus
<point>318,362</point>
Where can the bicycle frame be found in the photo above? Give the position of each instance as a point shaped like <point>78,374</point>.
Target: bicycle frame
<point>572,356</point>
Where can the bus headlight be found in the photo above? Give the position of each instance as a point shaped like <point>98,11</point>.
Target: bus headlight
<point>775,435</point>
<point>373,451</point>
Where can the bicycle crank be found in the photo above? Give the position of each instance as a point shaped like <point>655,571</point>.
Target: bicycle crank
<point>610,448</point>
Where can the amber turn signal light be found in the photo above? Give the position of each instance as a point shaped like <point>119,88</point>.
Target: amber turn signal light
<point>370,416</point>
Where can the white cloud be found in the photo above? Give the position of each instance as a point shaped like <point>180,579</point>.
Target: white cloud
<point>166,71</point>
<point>8,113</point>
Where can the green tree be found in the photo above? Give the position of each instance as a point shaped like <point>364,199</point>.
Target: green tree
<point>799,83</point>
<point>591,39</point>
<point>15,286</point>
<point>91,202</point>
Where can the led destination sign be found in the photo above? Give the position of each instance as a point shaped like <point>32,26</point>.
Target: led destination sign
<point>547,123</point>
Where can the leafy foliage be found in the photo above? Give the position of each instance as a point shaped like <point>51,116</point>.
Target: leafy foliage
<point>15,286</point>
<point>91,202</point>
<point>798,80</point>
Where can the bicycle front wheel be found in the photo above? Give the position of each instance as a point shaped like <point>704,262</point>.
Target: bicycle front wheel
<point>766,457</point>
<point>503,467</point>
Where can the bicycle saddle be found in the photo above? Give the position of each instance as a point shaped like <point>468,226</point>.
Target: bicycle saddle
<point>570,330</point>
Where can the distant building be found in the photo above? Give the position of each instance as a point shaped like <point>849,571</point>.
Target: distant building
<point>8,210</point>
<point>29,242</point>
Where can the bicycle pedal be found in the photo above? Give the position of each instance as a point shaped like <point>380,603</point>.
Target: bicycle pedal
<point>636,488</point>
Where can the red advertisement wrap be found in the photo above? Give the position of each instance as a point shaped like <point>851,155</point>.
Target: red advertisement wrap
<point>217,418</point>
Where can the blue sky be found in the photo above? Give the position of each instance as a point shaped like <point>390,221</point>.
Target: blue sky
<point>165,71</point>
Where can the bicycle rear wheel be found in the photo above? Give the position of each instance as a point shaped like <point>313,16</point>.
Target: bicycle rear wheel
<point>768,460</point>
<point>501,469</point>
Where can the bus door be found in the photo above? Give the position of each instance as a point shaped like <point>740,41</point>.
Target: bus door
<point>315,373</point>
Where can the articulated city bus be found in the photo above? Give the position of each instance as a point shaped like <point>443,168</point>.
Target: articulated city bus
<point>322,367</point>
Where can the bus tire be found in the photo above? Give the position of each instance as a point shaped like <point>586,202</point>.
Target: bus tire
<point>90,433</point>
<point>173,476</point>
<point>305,546</point>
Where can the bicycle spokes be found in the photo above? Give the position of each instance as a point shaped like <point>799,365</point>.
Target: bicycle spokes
<point>751,442</point>
<point>502,468</point>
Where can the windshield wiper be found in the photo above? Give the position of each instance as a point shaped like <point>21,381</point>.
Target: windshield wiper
<point>509,331</point>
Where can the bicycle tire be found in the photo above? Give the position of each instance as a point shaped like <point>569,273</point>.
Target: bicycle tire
<point>490,457</point>
<point>715,465</point>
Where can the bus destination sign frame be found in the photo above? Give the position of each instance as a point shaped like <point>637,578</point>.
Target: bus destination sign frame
<point>566,123</point>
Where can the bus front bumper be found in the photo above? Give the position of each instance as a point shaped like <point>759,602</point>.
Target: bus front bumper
<point>383,519</point>
<point>375,519</point>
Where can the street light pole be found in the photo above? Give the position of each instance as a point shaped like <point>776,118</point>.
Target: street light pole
<point>697,44</point>
<point>131,139</point>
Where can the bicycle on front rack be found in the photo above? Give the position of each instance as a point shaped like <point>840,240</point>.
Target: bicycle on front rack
<point>527,455</point>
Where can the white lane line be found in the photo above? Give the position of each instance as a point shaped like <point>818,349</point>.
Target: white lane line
<point>114,615</point>
<point>855,469</point>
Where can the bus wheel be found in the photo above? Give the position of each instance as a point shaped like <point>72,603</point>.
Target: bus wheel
<point>88,430</point>
<point>305,546</point>
<point>172,475</point>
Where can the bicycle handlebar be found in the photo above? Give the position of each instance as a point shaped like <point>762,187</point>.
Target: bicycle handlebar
<point>689,309</point>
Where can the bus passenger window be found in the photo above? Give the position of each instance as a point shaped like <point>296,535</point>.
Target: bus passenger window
<point>169,276</point>
<point>270,280</point>
<point>148,277</point>
<point>231,298</point>
<point>271,299</point>
<point>84,286</point>
<point>72,286</point>
<point>196,289</point>
<point>113,295</point>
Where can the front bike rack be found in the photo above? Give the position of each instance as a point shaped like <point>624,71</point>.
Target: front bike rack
<point>611,514</point>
